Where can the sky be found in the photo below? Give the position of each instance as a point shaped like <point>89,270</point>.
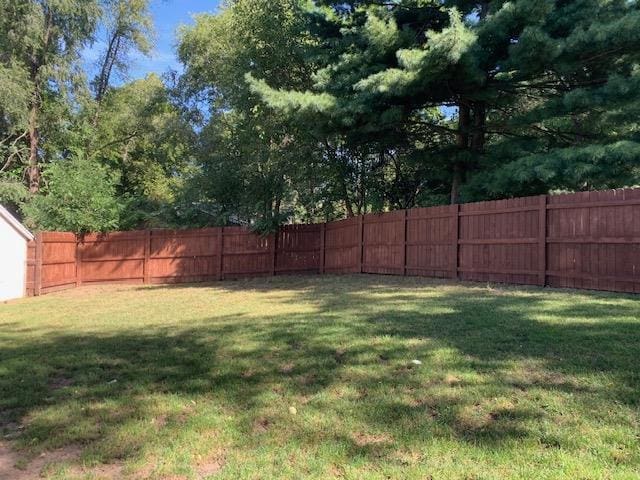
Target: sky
<point>168,15</point>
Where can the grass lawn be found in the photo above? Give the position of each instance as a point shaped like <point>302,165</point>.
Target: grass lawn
<point>312,377</point>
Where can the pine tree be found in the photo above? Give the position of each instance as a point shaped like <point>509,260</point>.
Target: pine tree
<point>550,83</point>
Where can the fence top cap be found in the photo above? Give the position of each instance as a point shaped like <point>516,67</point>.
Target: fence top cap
<point>13,221</point>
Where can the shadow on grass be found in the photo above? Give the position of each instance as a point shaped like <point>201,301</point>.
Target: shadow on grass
<point>354,354</point>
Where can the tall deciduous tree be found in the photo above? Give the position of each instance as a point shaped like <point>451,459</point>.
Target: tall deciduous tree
<point>260,149</point>
<point>144,138</point>
<point>14,151</point>
<point>128,28</point>
<point>43,38</point>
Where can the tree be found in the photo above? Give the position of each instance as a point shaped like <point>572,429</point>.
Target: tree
<point>14,102</point>
<point>288,167</point>
<point>534,74</point>
<point>306,110</point>
<point>43,38</point>
<point>243,142</point>
<point>49,114</point>
<point>143,137</point>
<point>127,27</point>
<point>80,197</point>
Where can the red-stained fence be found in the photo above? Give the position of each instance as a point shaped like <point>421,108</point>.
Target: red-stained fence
<point>51,263</point>
<point>584,240</point>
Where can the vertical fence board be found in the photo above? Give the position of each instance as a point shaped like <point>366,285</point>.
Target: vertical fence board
<point>299,249</point>
<point>220,257</point>
<point>323,231</point>
<point>30,281</point>
<point>404,242</point>
<point>342,246</point>
<point>38,266</point>
<point>147,257</point>
<point>455,240</point>
<point>542,242</point>
<point>383,243</point>
<point>360,242</point>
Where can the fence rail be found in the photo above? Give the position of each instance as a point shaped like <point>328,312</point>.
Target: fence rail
<point>585,240</point>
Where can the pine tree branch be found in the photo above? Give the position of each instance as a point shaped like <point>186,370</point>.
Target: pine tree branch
<point>439,128</point>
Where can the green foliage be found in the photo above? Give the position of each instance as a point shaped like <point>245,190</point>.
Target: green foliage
<point>80,197</point>
<point>143,136</point>
<point>14,96</point>
<point>12,191</point>
<point>248,157</point>
<point>40,45</point>
<point>308,110</point>
<point>541,81</point>
<point>128,27</point>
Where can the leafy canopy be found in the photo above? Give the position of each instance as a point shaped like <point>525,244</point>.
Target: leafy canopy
<point>80,197</point>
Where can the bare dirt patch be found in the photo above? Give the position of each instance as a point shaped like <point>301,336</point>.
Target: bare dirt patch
<point>15,466</point>
<point>59,381</point>
<point>261,425</point>
<point>287,368</point>
<point>104,471</point>
<point>369,439</point>
<point>211,464</point>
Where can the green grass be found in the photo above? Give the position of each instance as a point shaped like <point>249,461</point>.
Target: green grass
<point>313,378</point>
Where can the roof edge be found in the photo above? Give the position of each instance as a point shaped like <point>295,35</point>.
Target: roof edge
<point>13,221</point>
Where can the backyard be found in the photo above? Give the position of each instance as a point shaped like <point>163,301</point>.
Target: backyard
<point>320,377</point>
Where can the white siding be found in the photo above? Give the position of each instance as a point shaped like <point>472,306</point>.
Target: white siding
<point>13,258</point>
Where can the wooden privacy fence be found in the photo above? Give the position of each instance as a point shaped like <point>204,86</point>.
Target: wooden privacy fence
<point>585,240</point>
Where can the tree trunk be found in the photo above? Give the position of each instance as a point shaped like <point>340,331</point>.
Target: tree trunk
<point>347,201</point>
<point>333,155</point>
<point>276,207</point>
<point>362,189</point>
<point>456,182</point>
<point>111,54</point>
<point>462,142</point>
<point>33,169</point>
<point>479,127</point>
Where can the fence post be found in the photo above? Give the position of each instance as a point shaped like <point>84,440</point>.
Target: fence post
<point>455,263</point>
<point>542,241</point>
<point>323,232</point>
<point>147,255</point>
<point>220,273</point>
<point>360,242</point>
<point>404,243</point>
<point>78,262</point>
<point>37,273</point>
<point>274,248</point>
